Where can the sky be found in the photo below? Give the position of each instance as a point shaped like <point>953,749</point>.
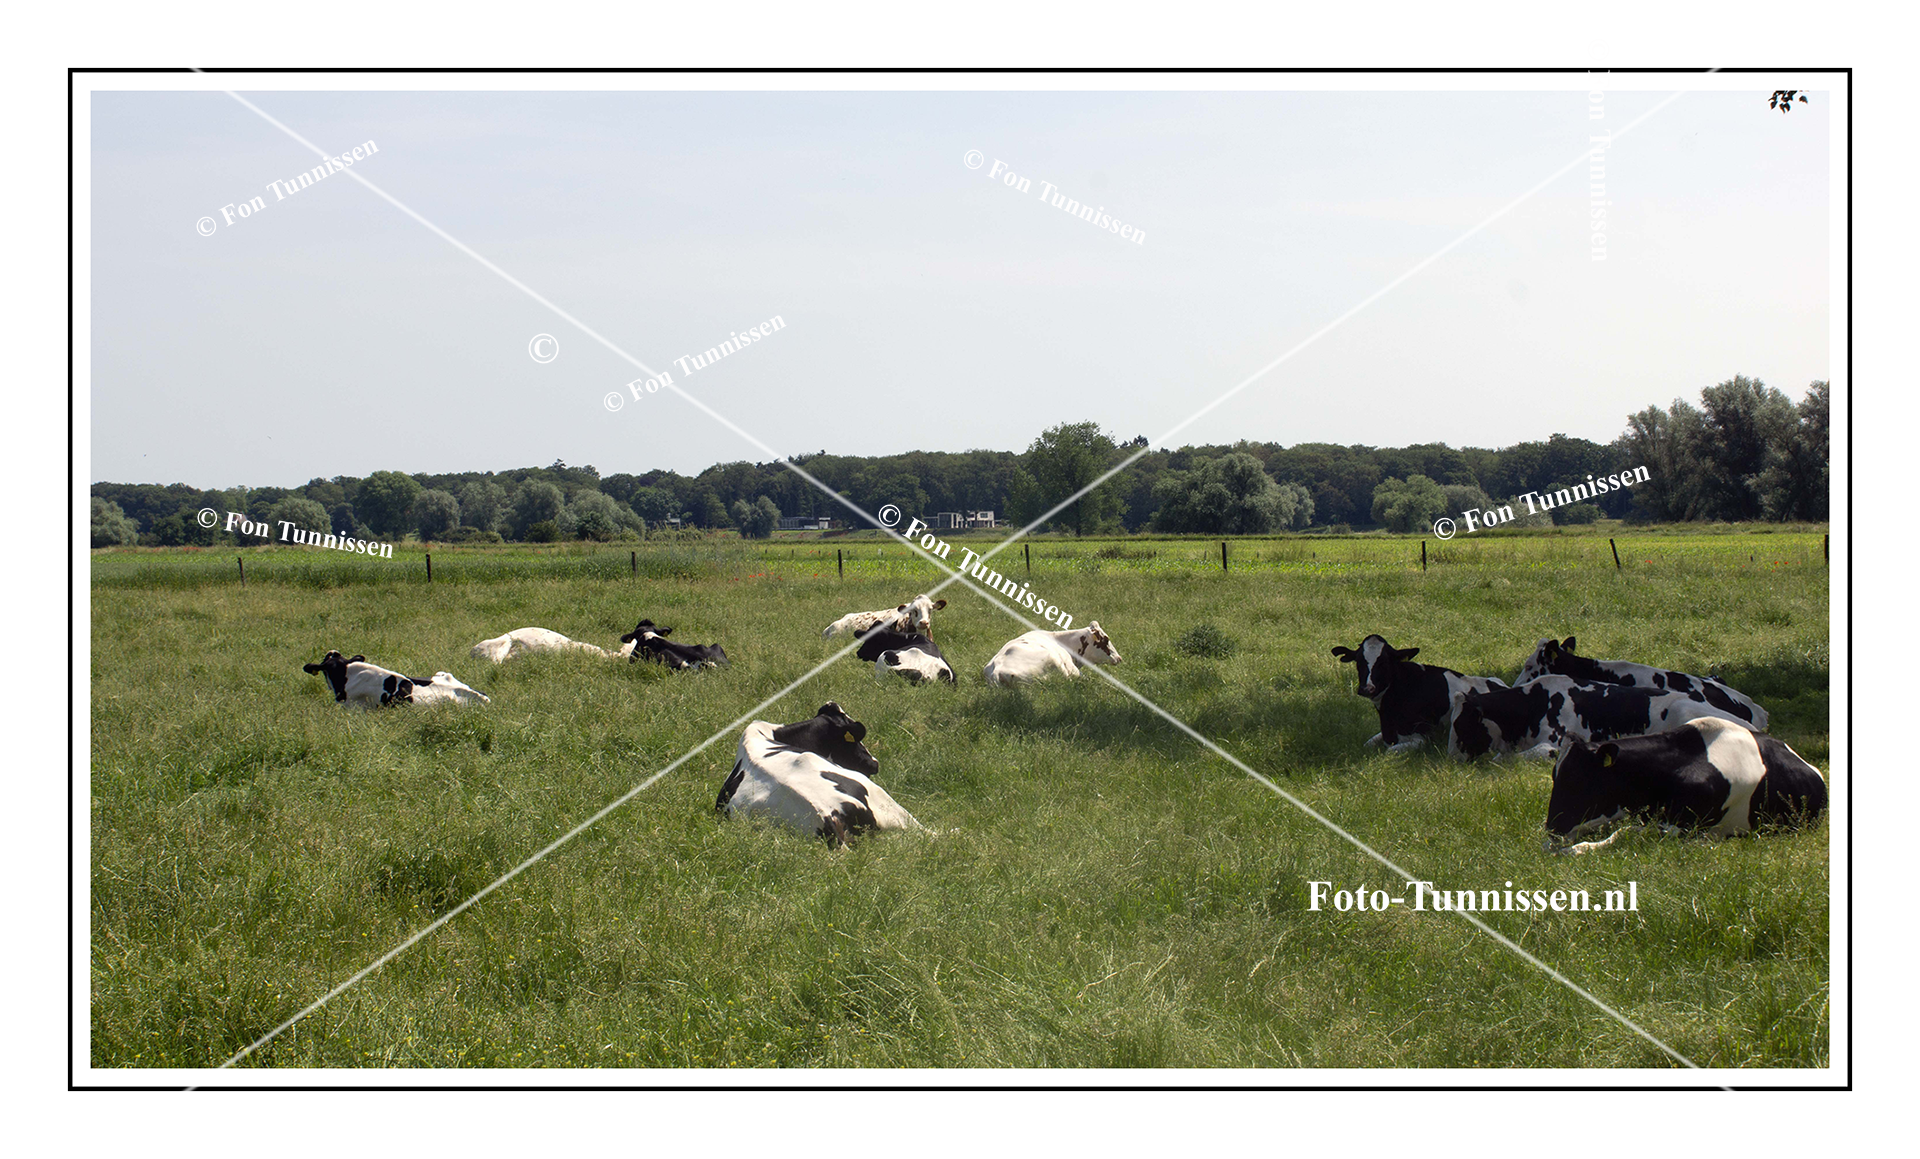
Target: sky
<point>926,305</point>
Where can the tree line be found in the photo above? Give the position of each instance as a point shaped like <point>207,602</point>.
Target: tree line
<point>1746,452</point>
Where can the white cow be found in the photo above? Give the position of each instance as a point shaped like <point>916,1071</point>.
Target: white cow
<point>814,775</point>
<point>1037,653</point>
<point>915,617</point>
<point>521,641</point>
<point>355,681</point>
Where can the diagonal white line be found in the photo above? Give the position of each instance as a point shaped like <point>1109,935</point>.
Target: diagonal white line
<point>954,576</point>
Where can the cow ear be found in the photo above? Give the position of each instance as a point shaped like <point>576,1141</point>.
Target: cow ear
<point>1568,644</point>
<point>938,604</point>
<point>357,659</point>
<point>1607,753</point>
<point>1405,653</point>
<point>1345,654</point>
<point>663,631</point>
<point>312,668</point>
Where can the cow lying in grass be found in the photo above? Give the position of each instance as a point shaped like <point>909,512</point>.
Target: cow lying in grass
<point>1040,653</point>
<point>355,681</point>
<point>1708,774</point>
<point>814,775</point>
<point>915,617</point>
<point>521,641</point>
<point>1414,701</point>
<point>1535,718</point>
<point>647,642</point>
<point>1556,658</point>
<point>915,658</point>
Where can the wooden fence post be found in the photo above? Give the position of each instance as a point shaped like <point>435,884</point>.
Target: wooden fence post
<point>243,570</point>
<point>635,563</point>
<point>1028,547</point>
<point>1824,558</point>
<point>429,567</point>
<point>1616,554</point>
<point>840,555</point>
<point>1423,555</point>
<point>1223,555</point>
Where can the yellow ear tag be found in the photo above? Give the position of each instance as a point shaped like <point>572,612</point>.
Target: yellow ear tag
<point>850,738</point>
<point>1606,762</point>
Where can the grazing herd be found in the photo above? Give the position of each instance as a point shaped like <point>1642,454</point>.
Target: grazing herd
<point>1629,740</point>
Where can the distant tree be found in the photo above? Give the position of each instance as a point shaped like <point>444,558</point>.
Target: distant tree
<point>1297,505</point>
<point>1464,496</point>
<point>710,511</point>
<point>1795,482</point>
<point>1059,463</point>
<point>385,502</point>
<point>1744,417</point>
<point>300,511</point>
<point>653,504</point>
<point>344,522</point>
<point>545,531</point>
<point>1231,495</point>
<point>111,527</point>
<point>538,502</point>
<point>1408,505</point>
<point>756,520</point>
<point>1576,513</point>
<point>435,513</point>
<point>483,504</point>
<point>599,516</point>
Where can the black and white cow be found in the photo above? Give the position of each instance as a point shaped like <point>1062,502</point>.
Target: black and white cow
<point>915,617</point>
<point>1535,718</point>
<point>1556,658</point>
<point>915,657</point>
<point>651,643</point>
<point>814,775</point>
<point>1413,700</point>
<point>1708,774</point>
<point>355,681</point>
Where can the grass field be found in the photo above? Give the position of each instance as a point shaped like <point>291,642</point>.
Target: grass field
<point>1101,892</point>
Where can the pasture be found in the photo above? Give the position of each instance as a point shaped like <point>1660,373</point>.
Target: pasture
<point>1101,892</point>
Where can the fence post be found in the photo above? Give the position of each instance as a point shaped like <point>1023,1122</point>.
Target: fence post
<point>1423,555</point>
<point>1028,548</point>
<point>1824,558</point>
<point>1223,555</point>
<point>1616,554</point>
<point>635,563</point>
<point>839,554</point>
<point>243,570</point>
<point>429,567</point>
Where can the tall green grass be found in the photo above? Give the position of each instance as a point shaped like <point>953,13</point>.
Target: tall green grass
<point>1099,892</point>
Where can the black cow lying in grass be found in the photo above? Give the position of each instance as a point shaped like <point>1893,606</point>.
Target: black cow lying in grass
<point>651,643</point>
<point>1709,774</point>
<point>1415,701</point>
<point>814,775</point>
<point>1556,658</point>
<point>355,681</point>
<point>914,657</point>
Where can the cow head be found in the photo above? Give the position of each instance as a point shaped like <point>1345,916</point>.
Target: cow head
<point>642,630</point>
<point>1378,662</point>
<point>832,734</point>
<point>1545,660</point>
<point>1095,645</point>
<point>916,615</point>
<point>334,667</point>
<point>1587,786</point>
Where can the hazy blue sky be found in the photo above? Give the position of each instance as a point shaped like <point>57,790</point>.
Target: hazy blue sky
<point>926,305</point>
